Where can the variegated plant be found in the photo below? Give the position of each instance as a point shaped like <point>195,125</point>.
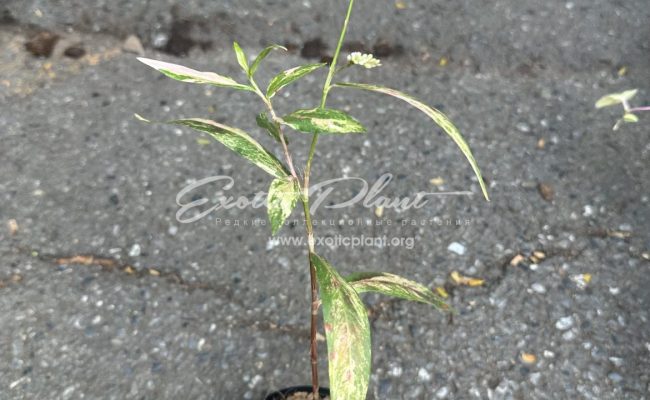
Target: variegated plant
<point>623,98</point>
<point>345,317</point>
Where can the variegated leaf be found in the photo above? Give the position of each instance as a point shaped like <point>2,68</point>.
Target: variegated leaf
<point>348,334</point>
<point>271,127</point>
<point>396,286</point>
<point>241,57</point>
<point>184,74</point>
<point>437,116</point>
<point>263,54</point>
<point>236,140</point>
<point>282,198</point>
<point>291,75</point>
<point>323,120</point>
<point>615,98</point>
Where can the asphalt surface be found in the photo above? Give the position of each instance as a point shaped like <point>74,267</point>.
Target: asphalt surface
<point>104,295</point>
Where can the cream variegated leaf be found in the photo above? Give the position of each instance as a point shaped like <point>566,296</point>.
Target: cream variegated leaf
<point>236,140</point>
<point>323,120</point>
<point>184,74</point>
<point>289,76</point>
<point>347,331</point>
<point>437,116</point>
<point>283,195</point>
<point>263,54</point>
<point>395,286</point>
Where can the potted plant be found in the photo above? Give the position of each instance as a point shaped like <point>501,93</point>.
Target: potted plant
<point>345,317</point>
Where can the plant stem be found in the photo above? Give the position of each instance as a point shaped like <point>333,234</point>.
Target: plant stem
<point>305,204</point>
<point>285,148</point>
<point>327,86</point>
<point>647,108</point>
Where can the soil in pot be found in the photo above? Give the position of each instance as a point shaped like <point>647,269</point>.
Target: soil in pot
<point>298,393</point>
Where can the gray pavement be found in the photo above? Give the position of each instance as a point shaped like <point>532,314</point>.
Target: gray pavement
<point>104,295</point>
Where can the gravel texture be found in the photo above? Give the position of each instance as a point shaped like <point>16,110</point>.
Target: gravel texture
<point>104,295</point>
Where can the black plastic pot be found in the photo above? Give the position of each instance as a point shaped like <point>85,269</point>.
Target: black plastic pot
<point>284,393</point>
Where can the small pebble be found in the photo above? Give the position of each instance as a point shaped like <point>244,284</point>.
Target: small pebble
<point>135,250</point>
<point>588,211</point>
<point>132,44</point>
<point>12,224</point>
<point>617,361</point>
<point>549,354</point>
<point>424,375</point>
<point>546,191</point>
<point>75,52</point>
<point>615,377</point>
<point>523,127</point>
<point>457,248</point>
<point>568,336</point>
<point>564,323</point>
<point>534,378</point>
<point>443,392</point>
<point>538,288</point>
<point>395,371</point>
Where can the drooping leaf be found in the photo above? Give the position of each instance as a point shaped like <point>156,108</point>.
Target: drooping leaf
<point>272,127</point>
<point>236,140</point>
<point>291,75</point>
<point>262,56</point>
<point>615,98</point>
<point>437,116</point>
<point>282,198</point>
<point>241,57</point>
<point>347,331</point>
<point>323,120</point>
<point>184,74</point>
<point>396,286</point>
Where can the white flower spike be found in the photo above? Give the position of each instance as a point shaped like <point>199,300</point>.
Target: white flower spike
<point>364,60</point>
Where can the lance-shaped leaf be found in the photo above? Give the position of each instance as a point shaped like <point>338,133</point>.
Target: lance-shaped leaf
<point>348,334</point>
<point>236,140</point>
<point>272,127</point>
<point>289,76</point>
<point>184,74</point>
<point>241,57</point>
<point>262,56</point>
<point>437,116</point>
<point>615,98</point>
<point>282,198</point>
<point>396,286</point>
<point>323,120</point>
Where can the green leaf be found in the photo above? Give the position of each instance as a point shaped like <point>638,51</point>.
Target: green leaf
<point>282,198</point>
<point>184,74</point>
<point>289,76</point>
<point>348,334</point>
<point>272,127</point>
<point>241,57</point>
<point>236,140</point>
<point>396,286</point>
<point>437,116</point>
<point>630,118</point>
<point>262,56</point>
<point>323,120</point>
<point>615,98</point>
